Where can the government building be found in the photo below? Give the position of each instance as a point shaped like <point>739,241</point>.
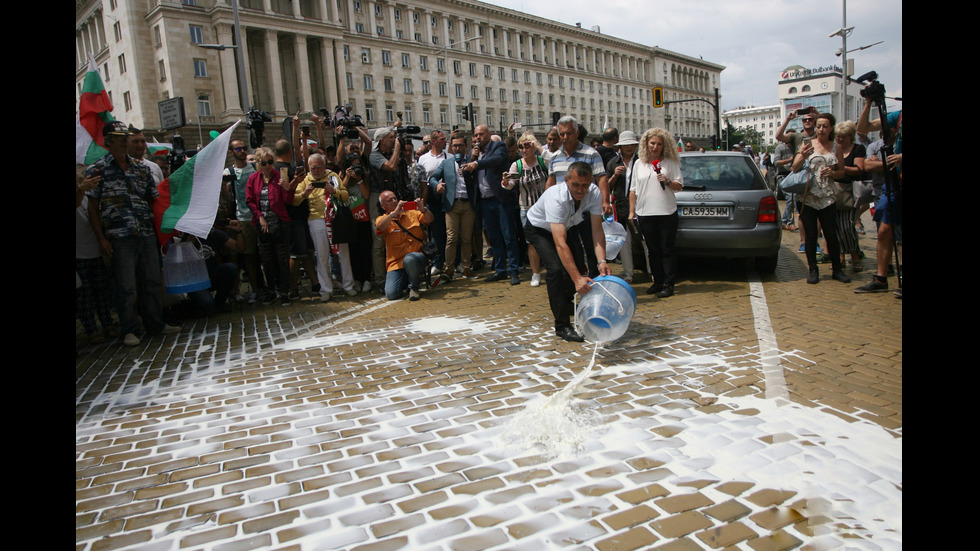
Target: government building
<point>425,59</point>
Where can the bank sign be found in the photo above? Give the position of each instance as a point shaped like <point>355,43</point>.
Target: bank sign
<point>804,73</point>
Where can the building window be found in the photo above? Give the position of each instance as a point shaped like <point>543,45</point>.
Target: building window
<point>377,11</point>
<point>459,90</point>
<point>489,93</point>
<point>117,31</point>
<point>389,85</point>
<point>127,101</point>
<point>386,58</point>
<point>346,52</point>
<point>389,113</point>
<point>426,115</point>
<point>433,21</point>
<point>503,95</point>
<point>527,77</point>
<point>517,96</point>
<point>203,105</point>
<point>407,85</point>
<point>456,68</point>
<point>473,92</point>
<point>162,69</point>
<point>398,14</point>
<point>441,65</point>
<point>122,64</point>
<point>359,27</point>
<point>409,113</point>
<point>365,55</point>
<point>200,68</point>
<point>513,74</point>
<point>486,71</point>
<point>443,116</point>
<point>369,111</point>
<point>157,40</point>
<point>406,61</point>
<point>368,82</point>
<point>424,62</point>
<point>197,34</point>
<point>442,89</point>
<point>415,16</point>
<point>501,73</point>
<point>350,81</point>
<point>425,87</point>
<point>381,31</point>
<point>472,69</point>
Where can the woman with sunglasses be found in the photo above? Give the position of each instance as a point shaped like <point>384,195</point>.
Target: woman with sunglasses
<point>531,173</point>
<point>267,200</point>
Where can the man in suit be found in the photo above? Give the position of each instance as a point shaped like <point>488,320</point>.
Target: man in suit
<point>456,195</point>
<point>488,162</point>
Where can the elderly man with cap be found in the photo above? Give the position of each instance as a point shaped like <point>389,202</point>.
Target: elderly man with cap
<point>120,212</point>
<point>620,171</point>
<point>387,174</point>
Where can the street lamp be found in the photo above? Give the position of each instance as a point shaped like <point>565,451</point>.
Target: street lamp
<point>445,50</point>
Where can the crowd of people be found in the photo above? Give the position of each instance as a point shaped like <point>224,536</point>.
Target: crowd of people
<point>372,212</point>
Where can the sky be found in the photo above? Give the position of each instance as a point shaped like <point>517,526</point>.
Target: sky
<point>755,40</point>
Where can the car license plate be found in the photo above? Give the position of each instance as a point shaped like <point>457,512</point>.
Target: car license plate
<point>705,212</point>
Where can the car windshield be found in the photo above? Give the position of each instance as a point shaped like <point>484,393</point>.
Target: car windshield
<point>720,172</point>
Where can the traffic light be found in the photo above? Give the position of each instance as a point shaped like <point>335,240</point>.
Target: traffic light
<point>555,115</point>
<point>658,96</point>
<point>468,113</point>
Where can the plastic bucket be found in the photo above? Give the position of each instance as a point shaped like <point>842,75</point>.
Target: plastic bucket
<point>184,269</point>
<point>604,313</point>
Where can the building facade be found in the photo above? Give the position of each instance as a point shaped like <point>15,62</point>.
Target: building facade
<point>765,120</point>
<point>818,87</point>
<point>425,59</point>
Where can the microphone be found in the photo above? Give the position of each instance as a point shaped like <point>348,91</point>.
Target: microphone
<point>656,168</point>
<point>870,75</point>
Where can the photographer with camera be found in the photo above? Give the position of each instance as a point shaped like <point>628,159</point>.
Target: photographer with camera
<point>401,229</point>
<point>388,173</point>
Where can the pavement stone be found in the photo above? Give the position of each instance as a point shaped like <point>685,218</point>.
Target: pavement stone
<point>438,424</point>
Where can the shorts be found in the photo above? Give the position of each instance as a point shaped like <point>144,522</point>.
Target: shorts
<point>300,242</point>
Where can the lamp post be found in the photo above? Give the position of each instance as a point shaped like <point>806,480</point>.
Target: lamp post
<point>445,50</point>
<point>240,58</point>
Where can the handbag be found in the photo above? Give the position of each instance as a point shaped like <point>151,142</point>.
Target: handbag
<point>429,248</point>
<point>844,196</point>
<point>343,223</point>
<point>863,192</point>
<point>797,182</point>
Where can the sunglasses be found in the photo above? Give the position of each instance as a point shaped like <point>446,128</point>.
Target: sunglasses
<point>239,149</point>
<point>265,163</point>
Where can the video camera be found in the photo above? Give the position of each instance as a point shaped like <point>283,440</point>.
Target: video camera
<point>178,154</point>
<point>873,91</point>
<point>342,118</point>
<point>255,122</point>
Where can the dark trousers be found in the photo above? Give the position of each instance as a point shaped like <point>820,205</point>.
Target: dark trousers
<point>561,288</point>
<point>827,217</point>
<point>660,233</point>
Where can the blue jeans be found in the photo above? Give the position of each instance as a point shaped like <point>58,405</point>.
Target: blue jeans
<point>136,269</point>
<point>405,278</point>
<point>501,229</point>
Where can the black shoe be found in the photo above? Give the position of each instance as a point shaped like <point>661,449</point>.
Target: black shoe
<point>668,291</point>
<point>569,334</point>
<point>814,276</point>
<point>655,288</point>
<point>515,279</point>
<point>878,285</point>
<point>496,276</point>
<point>839,275</point>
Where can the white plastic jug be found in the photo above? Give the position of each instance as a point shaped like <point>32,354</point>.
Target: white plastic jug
<point>604,313</point>
<point>184,269</point>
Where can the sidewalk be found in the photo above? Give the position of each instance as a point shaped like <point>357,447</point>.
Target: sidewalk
<point>368,424</point>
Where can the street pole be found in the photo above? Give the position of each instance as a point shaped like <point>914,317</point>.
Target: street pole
<point>242,81</point>
<point>450,88</point>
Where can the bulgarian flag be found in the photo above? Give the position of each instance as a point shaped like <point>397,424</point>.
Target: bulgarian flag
<point>158,149</point>
<point>194,189</point>
<point>92,114</point>
<point>680,144</point>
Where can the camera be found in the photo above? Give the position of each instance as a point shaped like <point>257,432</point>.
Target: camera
<point>353,161</point>
<point>255,121</point>
<point>342,118</point>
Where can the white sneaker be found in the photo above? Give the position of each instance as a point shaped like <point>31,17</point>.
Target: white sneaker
<point>413,295</point>
<point>351,292</point>
<point>535,280</point>
<point>131,340</point>
<point>435,270</point>
<point>325,297</point>
<point>366,287</point>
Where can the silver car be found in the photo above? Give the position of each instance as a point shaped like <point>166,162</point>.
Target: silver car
<point>725,209</point>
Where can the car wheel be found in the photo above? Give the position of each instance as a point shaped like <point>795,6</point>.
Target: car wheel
<point>766,264</point>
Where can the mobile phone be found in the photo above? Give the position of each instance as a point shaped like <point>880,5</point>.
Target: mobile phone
<point>803,111</point>
<point>517,125</point>
<point>806,141</point>
<point>283,174</point>
<point>410,205</point>
<point>319,184</point>
<point>512,175</point>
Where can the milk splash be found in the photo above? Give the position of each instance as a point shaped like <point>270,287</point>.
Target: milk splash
<point>554,426</point>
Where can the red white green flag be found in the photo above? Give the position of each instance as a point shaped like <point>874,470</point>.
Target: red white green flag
<point>194,189</point>
<point>93,112</point>
<point>680,144</point>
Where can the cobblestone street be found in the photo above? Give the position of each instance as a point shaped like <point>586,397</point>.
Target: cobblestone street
<point>742,413</point>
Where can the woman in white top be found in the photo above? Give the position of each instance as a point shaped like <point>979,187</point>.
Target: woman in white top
<point>820,197</point>
<point>656,176</point>
<point>532,177</point>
